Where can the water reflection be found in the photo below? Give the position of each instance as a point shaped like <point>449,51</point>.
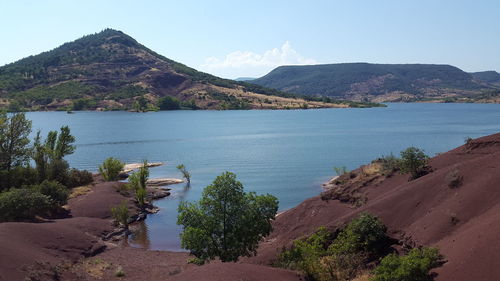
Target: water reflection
<point>140,235</point>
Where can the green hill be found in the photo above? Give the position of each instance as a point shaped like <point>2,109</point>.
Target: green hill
<point>110,70</point>
<point>375,82</point>
<point>487,77</point>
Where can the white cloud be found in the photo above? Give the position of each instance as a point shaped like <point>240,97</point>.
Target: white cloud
<point>250,64</point>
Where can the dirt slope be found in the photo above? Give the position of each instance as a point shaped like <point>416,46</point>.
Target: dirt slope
<point>462,222</point>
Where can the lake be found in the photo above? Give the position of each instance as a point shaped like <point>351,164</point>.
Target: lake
<point>287,153</point>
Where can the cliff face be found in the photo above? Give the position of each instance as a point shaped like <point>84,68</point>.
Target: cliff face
<point>463,222</point>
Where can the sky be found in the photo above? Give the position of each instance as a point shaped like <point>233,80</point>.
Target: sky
<point>250,38</point>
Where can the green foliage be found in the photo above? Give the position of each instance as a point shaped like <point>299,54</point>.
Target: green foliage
<point>14,132</point>
<point>84,104</point>
<point>322,256</point>
<point>137,182</point>
<point>414,266</point>
<point>141,104</point>
<point>169,103</point>
<point>23,204</point>
<point>413,161</point>
<point>57,192</point>
<point>184,172</point>
<point>306,253</point>
<point>365,233</point>
<point>78,178</point>
<point>64,145</point>
<point>226,222</point>
<point>390,163</point>
<point>17,177</point>
<point>340,170</point>
<point>127,92</point>
<point>337,79</point>
<point>111,168</point>
<point>120,213</point>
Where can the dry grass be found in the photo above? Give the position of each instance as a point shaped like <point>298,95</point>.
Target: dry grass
<point>95,267</point>
<point>81,190</point>
<point>363,277</point>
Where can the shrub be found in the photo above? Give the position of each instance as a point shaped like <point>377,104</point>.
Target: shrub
<point>414,266</point>
<point>390,163</point>
<point>169,103</point>
<point>57,192</point>
<point>363,234</point>
<point>454,179</point>
<point>413,161</point>
<point>342,258</point>
<point>21,204</point>
<point>306,253</point>
<point>58,170</point>
<point>111,168</point>
<point>120,213</point>
<point>119,272</point>
<point>185,173</point>
<point>340,170</point>
<point>78,178</point>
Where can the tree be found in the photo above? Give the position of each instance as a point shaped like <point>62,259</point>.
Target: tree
<point>14,132</point>
<point>120,214</point>
<point>64,145</point>
<point>185,173</point>
<point>169,103</point>
<point>413,161</point>
<point>141,104</point>
<point>111,168</point>
<point>226,222</point>
<point>137,182</point>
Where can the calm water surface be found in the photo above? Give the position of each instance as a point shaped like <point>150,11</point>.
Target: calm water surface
<point>286,153</point>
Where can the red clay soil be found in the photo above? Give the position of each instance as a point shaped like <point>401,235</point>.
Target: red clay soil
<point>462,222</point>
<point>61,240</point>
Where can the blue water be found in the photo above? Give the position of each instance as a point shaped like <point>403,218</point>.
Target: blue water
<point>287,153</point>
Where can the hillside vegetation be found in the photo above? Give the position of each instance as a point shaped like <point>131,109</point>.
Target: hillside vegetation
<point>383,82</point>
<point>112,71</point>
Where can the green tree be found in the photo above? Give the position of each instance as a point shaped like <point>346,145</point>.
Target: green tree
<point>111,169</point>
<point>185,173</point>
<point>14,149</point>
<point>14,132</point>
<point>226,222</point>
<point>413,161</point>
<point>137,182</point>
<point>169,103</point>
<point>64,145</point>
<point>141,104</point>
<point>120,214</point>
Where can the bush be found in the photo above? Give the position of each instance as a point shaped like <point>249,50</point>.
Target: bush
<point>414,266</point>
<point>306,253</point>
<point>78,178</point>
<point>413,161</point>
<point>340,170</point>
<point>390,163</point>
<point>111,168</point>
<point>454,179</point>
<point>364,234</point>
<point>58,170</point>
<point>342,258</point>
<point>22,204</point>
<point>57,192</point>
<point>169,103</point>
<point>120,214</point>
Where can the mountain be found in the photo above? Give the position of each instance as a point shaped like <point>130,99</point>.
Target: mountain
<point>491,76</point>
<point>377,82</point>
<point>244,79</point>
<point>110,70</point>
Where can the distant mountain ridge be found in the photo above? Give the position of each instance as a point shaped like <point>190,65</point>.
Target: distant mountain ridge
<point>381,82</point>
<point>110,70</point>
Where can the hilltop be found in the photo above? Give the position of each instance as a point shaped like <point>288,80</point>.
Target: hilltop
<point>110,70</point>
<point>384,82</point>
